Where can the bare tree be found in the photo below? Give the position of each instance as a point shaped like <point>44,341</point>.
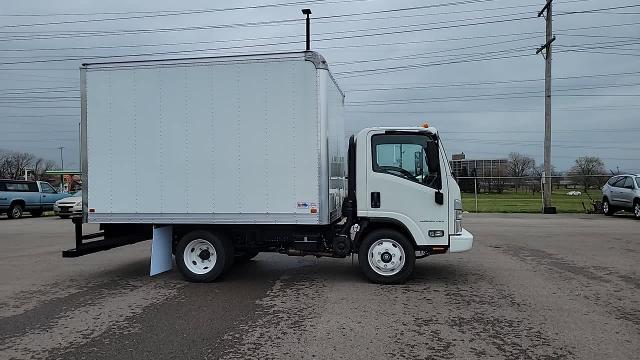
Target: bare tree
<point>5,164</point>
<point>518,166</point>
<point>585,171</point>
<point>12,164</point>
<point>555,180</point>
<point>41,166</point>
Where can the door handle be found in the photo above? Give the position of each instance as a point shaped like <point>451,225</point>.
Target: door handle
<point>375,199</point>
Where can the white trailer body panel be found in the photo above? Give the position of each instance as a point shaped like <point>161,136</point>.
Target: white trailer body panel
<point>215,140</point>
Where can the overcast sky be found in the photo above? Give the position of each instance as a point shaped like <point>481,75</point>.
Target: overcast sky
<point>467,67</point>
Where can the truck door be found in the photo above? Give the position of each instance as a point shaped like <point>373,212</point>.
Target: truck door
<point>48,196</point>
<point>404,183</point>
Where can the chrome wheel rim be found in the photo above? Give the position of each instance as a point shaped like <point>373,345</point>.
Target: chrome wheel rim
<point>605,207</point>
<point>200,256</point>
<point>636,210</point>
<point>15,212</point>
<point>386,257</point>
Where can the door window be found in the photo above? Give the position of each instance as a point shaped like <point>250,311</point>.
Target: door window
<point>628,182</point>
<point>619,182</point>
<point>404,156</point>
<point>47,189</point>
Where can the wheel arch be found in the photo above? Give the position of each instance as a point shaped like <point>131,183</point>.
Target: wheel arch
<point>18,201</point>
<point>372,224</point>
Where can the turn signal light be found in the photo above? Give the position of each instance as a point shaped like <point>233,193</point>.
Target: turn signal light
<point>436,233</point>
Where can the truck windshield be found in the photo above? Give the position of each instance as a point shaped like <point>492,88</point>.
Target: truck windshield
<point>403,156</point>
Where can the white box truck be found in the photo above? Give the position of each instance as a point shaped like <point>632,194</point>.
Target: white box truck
<point>218,159</point>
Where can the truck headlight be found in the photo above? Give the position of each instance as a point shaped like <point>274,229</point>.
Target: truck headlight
<point>457,205</point>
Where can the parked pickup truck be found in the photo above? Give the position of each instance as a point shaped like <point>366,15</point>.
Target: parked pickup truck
<point>18,196</point>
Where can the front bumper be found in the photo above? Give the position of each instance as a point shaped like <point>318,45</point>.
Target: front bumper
<point>462,242</point>
<point>67,210</point>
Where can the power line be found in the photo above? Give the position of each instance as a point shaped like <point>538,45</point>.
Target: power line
<point>152,14</point>
<point>463,2</point>
<point>472,98</point>
<point>273,44</point>
<point>492,110</point>
<point>494,82</point>
<point>76,34</point>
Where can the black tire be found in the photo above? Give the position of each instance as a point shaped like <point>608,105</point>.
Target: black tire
<point>386,257</point>
<point>607,209</point>
<point>636,209</point>
<point>36,213</point>
<point>246,255</point>
<point>15,211</point>
<point>223,256</point>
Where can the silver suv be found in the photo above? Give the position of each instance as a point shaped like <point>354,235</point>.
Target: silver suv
<point>621,192</point>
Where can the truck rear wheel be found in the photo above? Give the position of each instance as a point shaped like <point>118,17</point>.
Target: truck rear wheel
<point>15,211</point>
<point>202,256</point>
<point>386,257</point>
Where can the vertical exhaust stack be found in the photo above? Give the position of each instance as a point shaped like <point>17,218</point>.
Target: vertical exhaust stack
<point>308,12</point>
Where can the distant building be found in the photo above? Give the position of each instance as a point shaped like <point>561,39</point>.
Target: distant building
<point>462,167</point>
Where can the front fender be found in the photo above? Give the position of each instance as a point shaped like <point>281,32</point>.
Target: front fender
<point>408,223</point>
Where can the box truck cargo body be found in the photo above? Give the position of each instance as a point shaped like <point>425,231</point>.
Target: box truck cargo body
<point>218,159</point>
<point>224,140</point>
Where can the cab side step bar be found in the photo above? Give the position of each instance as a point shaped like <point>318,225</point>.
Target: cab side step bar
<point>112,236</point>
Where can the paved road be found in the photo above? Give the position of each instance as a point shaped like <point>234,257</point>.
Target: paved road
<point>533,287</point>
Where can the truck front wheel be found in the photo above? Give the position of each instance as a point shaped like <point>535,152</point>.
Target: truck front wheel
<point>202,256</point>
<point>386,257</point>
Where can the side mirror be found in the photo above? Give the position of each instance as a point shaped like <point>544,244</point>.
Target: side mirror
<point>433,164</point>
<point>433,157</point>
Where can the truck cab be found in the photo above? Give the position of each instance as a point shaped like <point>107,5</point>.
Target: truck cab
<point>407,202</point>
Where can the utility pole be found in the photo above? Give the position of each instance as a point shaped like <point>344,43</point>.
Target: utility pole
<point>61,168</point>
<point>546,193</point>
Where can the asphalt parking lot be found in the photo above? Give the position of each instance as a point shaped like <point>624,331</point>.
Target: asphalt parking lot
<point>533,287</point>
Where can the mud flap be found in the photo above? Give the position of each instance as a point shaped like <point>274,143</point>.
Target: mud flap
<point>161,259</point>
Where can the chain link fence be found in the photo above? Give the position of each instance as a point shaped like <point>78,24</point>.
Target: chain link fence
<point>570,193</point>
